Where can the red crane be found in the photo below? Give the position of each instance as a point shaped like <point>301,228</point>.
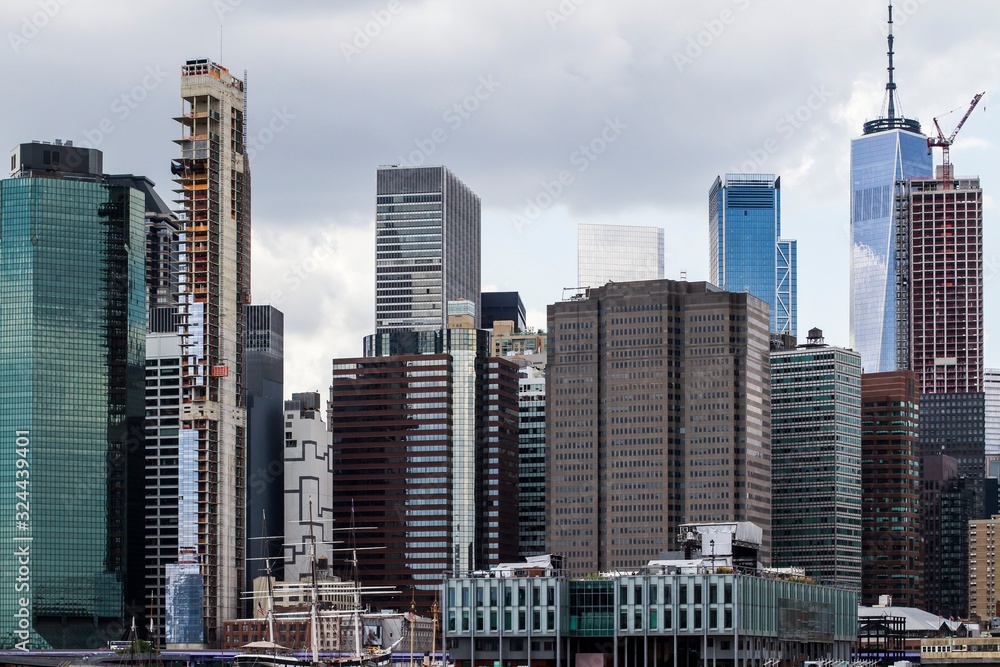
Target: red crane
<point>945,142</point>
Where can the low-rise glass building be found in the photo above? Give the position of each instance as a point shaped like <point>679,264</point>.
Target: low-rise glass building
<point>680,615</point>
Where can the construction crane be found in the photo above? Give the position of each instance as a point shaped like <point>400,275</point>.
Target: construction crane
<point>945,142</point>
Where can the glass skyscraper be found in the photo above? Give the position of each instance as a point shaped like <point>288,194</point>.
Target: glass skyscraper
<point>618,253</point>
<point>878,161</point>
<point>891,151</point>
<point>816,461</point>
<point>746,251</point>
<point>427,231</point>
<point>71,398</point>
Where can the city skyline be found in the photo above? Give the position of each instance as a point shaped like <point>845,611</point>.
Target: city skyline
<point>640,84</point>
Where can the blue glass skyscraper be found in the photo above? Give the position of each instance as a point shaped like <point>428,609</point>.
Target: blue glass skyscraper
<point>747,253</point>
<point>892,149</point>
<point>71,399</point>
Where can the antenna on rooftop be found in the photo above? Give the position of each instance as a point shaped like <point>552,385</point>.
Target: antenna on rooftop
<point>890,87</point>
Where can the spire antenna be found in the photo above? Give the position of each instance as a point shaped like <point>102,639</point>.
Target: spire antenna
<point>892,117</point>
<point>890,87</point>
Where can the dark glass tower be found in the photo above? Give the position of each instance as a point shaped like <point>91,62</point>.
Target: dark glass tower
<point>71,400</point>
<point>264,393</point>
<point>427,231</point>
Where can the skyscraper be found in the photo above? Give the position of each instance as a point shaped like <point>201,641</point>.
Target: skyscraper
<point>427,232</point>
<point>746,251</point>
<point>213,186</point>
<point>891,150</point>
<point>502,306</point>
<point>308,487</point>
<point>425,452</point>
<point>618,253</point>
<point>264,386</point>
<point>71,399</point>
<point>946,282</point>
<point>947,505</point>
<point>658,415</point>
<point>816,461</point>
<point>532,454</point>
<point>892,558</point>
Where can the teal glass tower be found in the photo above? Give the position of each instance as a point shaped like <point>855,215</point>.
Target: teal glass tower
<point>72,336</point>
<point>747,253</point>
<point>891,151</point>
<point>816,461</point>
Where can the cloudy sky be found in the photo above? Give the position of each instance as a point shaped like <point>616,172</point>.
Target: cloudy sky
<point>642,103</point>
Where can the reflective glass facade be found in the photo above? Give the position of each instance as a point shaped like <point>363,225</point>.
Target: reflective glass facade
<point>427,231</point>
<point>531,461</point>
<point>878,161</point>
<point>618,253</point>
<point>746,251</point>
<point>703,618</point>
<point>71,404</point>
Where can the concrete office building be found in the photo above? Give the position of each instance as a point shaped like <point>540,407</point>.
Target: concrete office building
<point>991,391</point>
<point>659,414</point>
<point>72,276</point>
<point>746,251</point>
<point>891,544</point>
<point>308,487</point>
<point>983,535</point>
<point>427,231</point>
<point>213,191</point>
<point>816,461</point>
<point>618,253</point>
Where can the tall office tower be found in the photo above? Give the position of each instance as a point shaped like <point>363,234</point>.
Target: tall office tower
<point>531,461</point>
<point>427,231</point>
<point>892,562</point>
<point>163,406</point>
<point>425,451</point>
<point>264,388</point>
<point>991,389</point>
<point>618,253</point>
<point>308,487</point>
<point>746,251</point>
<point>816,461</point>
<point>659,414</point>
<point>213,186</point>
<point>71,399</point>
<point>947,504</point>
<point>164,235</point>
<point>891,150</point>
<point>502,306</point>
<point>983,545</point>
<point>164,272</point>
